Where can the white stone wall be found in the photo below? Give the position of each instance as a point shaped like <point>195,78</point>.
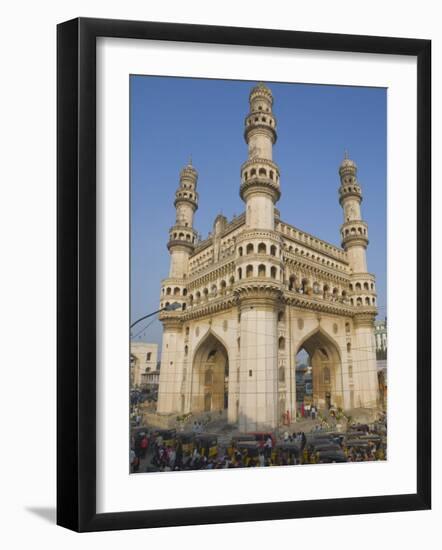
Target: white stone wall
<point>145,355</point>
<point>260,212</point>
<point>258,369</point>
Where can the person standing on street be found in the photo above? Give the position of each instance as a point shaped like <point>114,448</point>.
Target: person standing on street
<point>268,447</point>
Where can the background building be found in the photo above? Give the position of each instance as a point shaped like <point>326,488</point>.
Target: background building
<point>380,334</point>
<point>144,371</point>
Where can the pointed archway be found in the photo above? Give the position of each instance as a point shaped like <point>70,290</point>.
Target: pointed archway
<point>325,369</point>
<point>210,375</point>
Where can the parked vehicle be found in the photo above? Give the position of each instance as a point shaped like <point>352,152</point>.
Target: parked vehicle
<point>207,444</point>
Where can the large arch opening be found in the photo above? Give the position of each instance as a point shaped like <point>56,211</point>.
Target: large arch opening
<point>319,373</point>
<point>210,376</point>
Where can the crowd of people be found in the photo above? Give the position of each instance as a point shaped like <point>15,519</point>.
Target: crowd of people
<point>150,452</point>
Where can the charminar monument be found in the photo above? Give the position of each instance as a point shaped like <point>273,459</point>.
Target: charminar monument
<point>258,291</point>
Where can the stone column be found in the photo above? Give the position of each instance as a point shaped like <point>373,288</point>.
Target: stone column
<point>169,391</point>
<point>364,362</point>
<point>258,361</point>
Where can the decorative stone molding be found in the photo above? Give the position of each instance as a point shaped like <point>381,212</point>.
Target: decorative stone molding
<point>261,184</point>
<point>258,293</point>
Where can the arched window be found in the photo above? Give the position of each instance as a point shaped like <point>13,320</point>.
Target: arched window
<point>184,291</point>
<point>169,290</point>
<point>240,250</point>
<point>261,270</point>
<point>359,301</point>
<point>187,331</point>
<point>304,285</point>
<point>186,350</point>
<point>262,172</point>
<point>273,272</point>
<point>262,248</point>
<point>366,286</point>
<point>271,174</point>
<point>292,283</point>
<point>316,288</point>
<point>205,292</point>
<point>367,301</point>
<point>214,290</point>
<point>273,250</point>
<point>358,286</point>
<point>238,341</point>
<point>280,316</point>
<point>231,280</point>
<point>281,343</point>
<point>281,374</point>
<point>249,271</point>
<point>239,273</point>
<point>148,356</point>
<point>348,347</point>
<point>223,286</point>
<point>249,249</point>
<point>176,291</point>
<point>347,327</point>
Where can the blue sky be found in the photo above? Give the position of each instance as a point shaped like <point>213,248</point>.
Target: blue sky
<point>173,118</point>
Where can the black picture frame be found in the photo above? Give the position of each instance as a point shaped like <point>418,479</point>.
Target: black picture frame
<point>77,287</point>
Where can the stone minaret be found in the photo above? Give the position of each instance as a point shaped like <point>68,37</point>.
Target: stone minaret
<point>259,270</point>
<point>259,174</point>
<point>181,243</point>
<point>182,236</point>
<point>354,233</point>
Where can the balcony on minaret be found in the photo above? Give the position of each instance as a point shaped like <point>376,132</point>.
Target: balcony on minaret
<point>181,235</point>
<point>354,233</point>
<point>260,175</point>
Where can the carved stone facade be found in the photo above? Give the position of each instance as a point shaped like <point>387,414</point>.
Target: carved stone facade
<point>257,291</point>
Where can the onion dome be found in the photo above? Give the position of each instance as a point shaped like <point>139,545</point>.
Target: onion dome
<point>261,90</point>
<point>348,166</point>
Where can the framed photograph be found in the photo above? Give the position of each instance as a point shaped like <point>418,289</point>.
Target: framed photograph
<point>243,274</point>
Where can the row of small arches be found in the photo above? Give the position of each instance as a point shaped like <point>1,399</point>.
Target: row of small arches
<point>257,120</point>
<point>213,291</point>
<point>350,190</point>
<point>181,236</point>
<point>249,271</point>
<point>287,230</point>
<point>177,291</point>
<point>185,195</point>
<point>260,172</point>
<point>304,287</point>
<point>313,257</point>
<point>267,109</point>
<point>353,231</point>
<point>261,249</point>
<point>359,286</point>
